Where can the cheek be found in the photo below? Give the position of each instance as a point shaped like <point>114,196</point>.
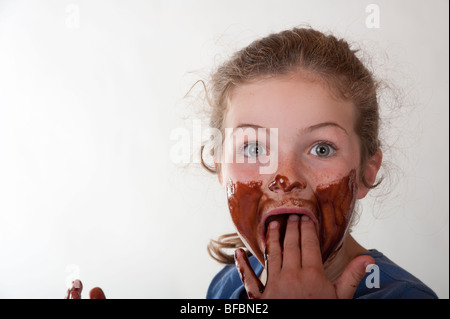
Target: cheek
<point>335,204</point>
<point>321,174</point>
<point>243,202</point>
<point>243,172</point>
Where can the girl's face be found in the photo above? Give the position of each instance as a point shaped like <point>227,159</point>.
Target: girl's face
<point>315,168</point>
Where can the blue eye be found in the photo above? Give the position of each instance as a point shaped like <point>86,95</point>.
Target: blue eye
<point>323,149</point>
<point>254,150</point>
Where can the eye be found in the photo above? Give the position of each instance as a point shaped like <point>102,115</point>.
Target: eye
<point>323,149</point>
<point>254,150</point>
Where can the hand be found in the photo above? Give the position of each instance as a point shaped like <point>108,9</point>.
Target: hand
<point>77,287</point>
<point>297,271</point>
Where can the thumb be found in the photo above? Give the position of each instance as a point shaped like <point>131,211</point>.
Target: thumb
<point>96,293</point>
<point>352,275</point>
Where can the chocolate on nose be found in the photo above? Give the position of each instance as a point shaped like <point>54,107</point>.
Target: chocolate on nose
<point>281,183</point>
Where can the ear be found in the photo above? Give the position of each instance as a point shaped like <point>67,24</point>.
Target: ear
<point>371,170</point>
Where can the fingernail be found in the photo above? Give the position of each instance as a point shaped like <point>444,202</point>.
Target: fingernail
<point>273,224</point>
<point>305,218</point>
<point>238,253</point>
<point>293,218</point>
<point>77,283</point>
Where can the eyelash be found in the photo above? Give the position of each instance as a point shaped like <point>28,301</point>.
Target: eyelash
<point>333,147</point>
<point>327,143</point>
<point>246,145</point>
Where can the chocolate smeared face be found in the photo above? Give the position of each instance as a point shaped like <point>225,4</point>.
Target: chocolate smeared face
<point>336,203</point>
<point>318,155</point>
<point>243,202</point>
<point>329,206</point>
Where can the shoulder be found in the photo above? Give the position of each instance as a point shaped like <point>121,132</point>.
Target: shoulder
<point>227,284</point>
<point>387,280</point>
<point>223,284</point>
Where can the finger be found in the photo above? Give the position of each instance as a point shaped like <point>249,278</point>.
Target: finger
<point>291,252</point>
<point>310,245</point>
<point>274,254</point>
<point>352,275</point>
<point>75,291</point>
<point>252,284</point>
<point>96,293</point>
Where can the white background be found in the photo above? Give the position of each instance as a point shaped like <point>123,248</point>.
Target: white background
<point>91,90</point>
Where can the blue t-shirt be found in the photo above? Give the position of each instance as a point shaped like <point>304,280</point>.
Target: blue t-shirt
<point>385,281</point>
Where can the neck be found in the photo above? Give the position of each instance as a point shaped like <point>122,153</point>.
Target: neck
<point>350,250</point>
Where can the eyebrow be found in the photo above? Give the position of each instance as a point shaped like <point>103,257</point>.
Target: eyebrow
<point>325,124</point>
<point>309,129</point>
<point>247,125</point>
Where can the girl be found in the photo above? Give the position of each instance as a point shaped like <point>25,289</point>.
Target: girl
<point>298,113</point>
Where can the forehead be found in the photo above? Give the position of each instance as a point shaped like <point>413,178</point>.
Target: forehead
<point>287,103</point>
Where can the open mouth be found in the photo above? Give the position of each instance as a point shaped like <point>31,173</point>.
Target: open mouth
<point>281,215</point>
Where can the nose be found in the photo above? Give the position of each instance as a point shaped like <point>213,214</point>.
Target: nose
<point>281,184</point>
<point>290,174</point>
